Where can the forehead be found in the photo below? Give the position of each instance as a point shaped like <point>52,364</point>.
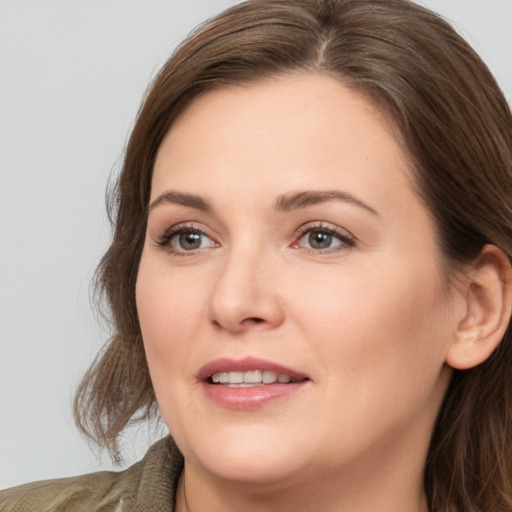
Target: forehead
<point>297,132</point>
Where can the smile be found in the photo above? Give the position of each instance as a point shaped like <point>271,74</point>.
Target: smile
<point>250,378</point>
<point>249,383</point>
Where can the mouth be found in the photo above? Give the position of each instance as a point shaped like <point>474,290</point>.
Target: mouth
<point>249,383</point>
<point>251,378</point>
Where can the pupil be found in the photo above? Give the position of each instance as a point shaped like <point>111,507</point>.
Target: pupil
<point>319,240</point>
<point>189,240</point>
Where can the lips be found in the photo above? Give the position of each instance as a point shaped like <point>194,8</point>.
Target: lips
<point>251,368</point>
<point>249,382</point>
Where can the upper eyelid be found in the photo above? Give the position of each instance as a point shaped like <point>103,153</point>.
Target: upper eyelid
<point>327,226</point>
<point>187,225</point>
<point>181,229</point>
<point>307,226</point>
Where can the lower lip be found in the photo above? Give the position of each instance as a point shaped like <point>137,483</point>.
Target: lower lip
<point>252,397</point>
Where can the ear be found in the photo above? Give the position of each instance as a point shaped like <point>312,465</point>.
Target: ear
<point>488,305</point>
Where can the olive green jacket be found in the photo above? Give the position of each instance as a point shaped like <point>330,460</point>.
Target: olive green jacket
<point>147,486</point>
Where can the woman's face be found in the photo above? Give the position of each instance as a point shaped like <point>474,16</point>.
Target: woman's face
<point>285,242</point>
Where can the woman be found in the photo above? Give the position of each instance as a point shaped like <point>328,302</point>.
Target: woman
<point>310,273</point>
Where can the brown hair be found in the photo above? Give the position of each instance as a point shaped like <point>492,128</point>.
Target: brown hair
<point>456,126</point>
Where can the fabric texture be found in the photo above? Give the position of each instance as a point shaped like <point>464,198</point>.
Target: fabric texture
<point>147,486</point>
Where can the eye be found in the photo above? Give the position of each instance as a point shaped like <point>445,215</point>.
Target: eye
<point>183,239</point>
<point>189,240</point>
<point>322,238</point>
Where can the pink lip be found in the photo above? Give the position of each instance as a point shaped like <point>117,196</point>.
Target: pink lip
<point>251,397</point>
<point>245,365</point>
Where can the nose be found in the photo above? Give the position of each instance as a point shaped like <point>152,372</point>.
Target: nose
<point>245,294</point>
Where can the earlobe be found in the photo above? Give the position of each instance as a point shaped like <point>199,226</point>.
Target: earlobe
<point>488,297</point>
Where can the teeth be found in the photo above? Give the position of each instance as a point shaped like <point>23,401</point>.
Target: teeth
<point>269,377</point>
<point>221,378</point>
<point>236,377</point>
<point>253,377</point>
<point>250,378</point>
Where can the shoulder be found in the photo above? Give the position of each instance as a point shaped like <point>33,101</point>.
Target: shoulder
<point>147,486</point>
<point>95,492</point>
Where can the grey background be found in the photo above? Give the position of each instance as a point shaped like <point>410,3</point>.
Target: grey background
<point>72,74</point>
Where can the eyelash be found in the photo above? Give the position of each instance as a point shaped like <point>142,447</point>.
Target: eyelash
<point>346,240</point>
<point>164,241</point>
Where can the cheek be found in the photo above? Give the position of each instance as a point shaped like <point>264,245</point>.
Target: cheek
<point>384,320</point>
<point>169,311</point>
<point>379,341</point>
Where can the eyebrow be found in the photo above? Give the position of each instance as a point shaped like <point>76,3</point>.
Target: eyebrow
<point>305,198</point>
<point>284,202</point>
<point>190,200</point>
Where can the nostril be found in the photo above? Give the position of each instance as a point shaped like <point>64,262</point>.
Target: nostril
<point>254,320</point>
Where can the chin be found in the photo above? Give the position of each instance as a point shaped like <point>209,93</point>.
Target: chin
<point>246,456</point>
<point>255,471</point>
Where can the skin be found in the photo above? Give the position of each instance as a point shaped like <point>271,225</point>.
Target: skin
<point>369,321</point>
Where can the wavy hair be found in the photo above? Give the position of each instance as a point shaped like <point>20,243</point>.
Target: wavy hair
<point>454,123</point>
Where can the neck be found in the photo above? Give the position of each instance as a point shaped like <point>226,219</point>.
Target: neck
<point>390,492</point>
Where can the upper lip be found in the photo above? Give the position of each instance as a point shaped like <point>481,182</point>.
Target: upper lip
<point>245,365</point>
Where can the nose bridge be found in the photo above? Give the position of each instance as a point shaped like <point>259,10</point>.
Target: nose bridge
<point>244,293</point>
